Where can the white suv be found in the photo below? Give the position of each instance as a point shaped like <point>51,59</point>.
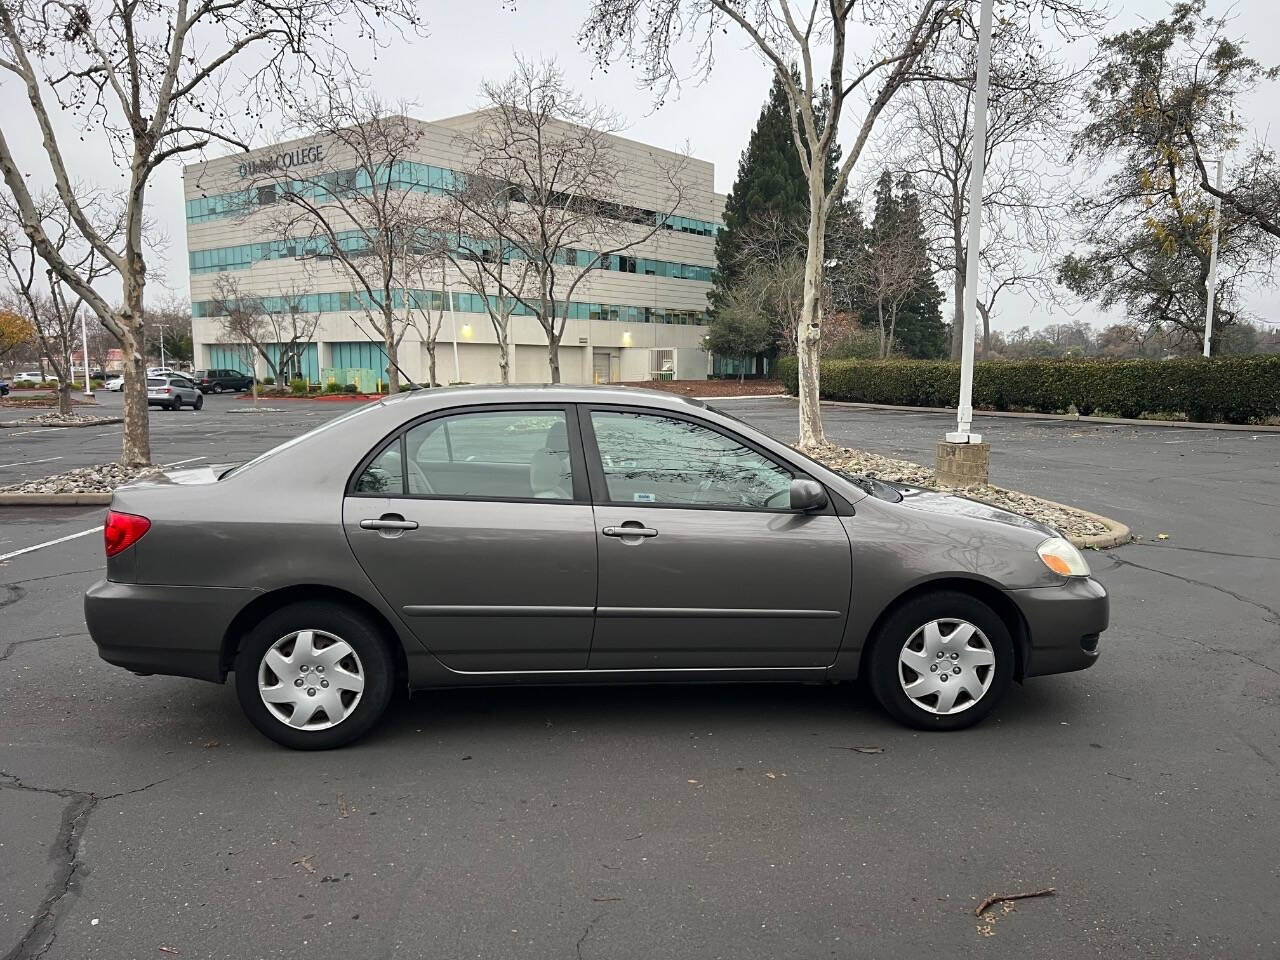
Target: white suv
<point>172,391</point>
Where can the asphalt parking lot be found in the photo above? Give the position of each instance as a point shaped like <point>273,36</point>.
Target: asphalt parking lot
<point>143,817</point>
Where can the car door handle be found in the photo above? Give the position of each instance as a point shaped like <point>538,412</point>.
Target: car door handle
<point>629,531</point>
<point>388,524</point>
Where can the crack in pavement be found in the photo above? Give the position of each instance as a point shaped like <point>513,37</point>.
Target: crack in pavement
<point>42,932</point>
<point>13,593</point>
<point>19,643</point>
<point>51,576</point>
<point>1212,553</point>
<point>1275,614</point>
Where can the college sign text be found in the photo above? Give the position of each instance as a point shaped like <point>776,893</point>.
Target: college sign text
<point>298,157</point>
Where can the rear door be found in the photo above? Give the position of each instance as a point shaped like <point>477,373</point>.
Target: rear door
<point>703,565</point>
<point>476,525</point>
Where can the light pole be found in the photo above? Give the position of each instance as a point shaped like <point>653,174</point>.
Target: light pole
<point>1211,284</point>
<point>963,458</point>
<point>84,342</point>
<point>453,330</point>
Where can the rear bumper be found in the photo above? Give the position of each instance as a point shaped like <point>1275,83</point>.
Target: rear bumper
<point>174,630</point>
<point>1064,624</point>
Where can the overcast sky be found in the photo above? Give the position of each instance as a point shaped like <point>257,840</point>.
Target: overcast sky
<point>476,40</point>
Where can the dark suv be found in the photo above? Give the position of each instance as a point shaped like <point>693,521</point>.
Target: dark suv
<point>216,381</point>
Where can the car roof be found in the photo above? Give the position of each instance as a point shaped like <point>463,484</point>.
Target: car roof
<point>544,393</point>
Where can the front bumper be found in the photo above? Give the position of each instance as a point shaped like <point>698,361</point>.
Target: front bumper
<point>1064,624</point>
<point>153,628</point>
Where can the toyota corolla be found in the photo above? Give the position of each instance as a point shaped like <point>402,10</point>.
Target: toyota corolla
<point>471,536</point>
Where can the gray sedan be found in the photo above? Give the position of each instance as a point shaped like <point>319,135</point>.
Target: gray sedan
<point>495,535</point>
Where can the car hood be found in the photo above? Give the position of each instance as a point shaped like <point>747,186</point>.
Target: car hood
<point>931,501</point>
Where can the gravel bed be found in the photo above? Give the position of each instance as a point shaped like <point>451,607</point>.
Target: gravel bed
<point>56,419</point>
<point>1073,523</point>
<point>100,478</point>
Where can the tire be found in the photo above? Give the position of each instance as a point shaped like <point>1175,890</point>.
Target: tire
<point>325,621</point>
<point>175,405</point>
<point>982,664</point>
<point>198,403</point>
<point>217,388</point>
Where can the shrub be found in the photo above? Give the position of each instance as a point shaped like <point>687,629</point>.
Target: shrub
<point>268,380</point>
<point>1231,389</point>
<point>25,383</point>
<point>297,385</point>
<point>350,388</point>
<point>333,387</point>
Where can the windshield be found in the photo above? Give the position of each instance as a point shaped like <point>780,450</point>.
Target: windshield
<point>363,408</point>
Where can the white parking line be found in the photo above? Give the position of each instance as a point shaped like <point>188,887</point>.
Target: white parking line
<point>50,543</point>
<point>27,463</point>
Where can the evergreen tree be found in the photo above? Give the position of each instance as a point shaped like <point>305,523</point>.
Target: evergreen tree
<point>770,184</point>
<point>920,332</point>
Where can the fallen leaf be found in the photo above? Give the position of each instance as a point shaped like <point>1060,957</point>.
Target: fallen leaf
<point>342,807</point>
<point>691,781</point>
<point>772,776</point>
<point>305,864</point>
<point>861,749</point>
<point>1162,536</point>
<point>172,950</point>
<point>208,745</point>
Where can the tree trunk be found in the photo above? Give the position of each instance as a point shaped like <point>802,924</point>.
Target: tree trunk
<point>893,326</point>
<point>137,432</point>
<point>64,397</point>
<point>431,362</point>
<point>957,292</point>
<point>809,330</point>
<point>880,321</point>
<point>503,333</point>
<point>986,330</point>
<point>389,345</point>
<point>553,356</point>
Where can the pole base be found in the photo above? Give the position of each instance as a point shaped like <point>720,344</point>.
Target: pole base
<point>964,464</point>
<point>963,437</point>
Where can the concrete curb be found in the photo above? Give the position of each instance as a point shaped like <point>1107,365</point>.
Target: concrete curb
<point>1117,532</point>
<point>54,499</point>
<point>1012,415</point>
<point>102,422</point>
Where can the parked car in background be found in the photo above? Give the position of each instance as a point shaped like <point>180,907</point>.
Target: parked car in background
<point>36,377</point>
<point>506,535</point>
<point>218,381</point>
<point>173,392</point>
<point>114,383</point>
<point>4,388</point>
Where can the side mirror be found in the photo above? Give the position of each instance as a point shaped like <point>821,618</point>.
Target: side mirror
<point>807,495</point>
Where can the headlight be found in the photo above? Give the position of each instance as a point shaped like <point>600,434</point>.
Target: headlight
<point>1062,558</point>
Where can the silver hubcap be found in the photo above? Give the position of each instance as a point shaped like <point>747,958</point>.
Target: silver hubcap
<point>311,680</point>
<point>946,666</point>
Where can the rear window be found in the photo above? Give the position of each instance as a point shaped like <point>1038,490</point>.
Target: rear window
<point>157,382</point>
<point>203,373</point>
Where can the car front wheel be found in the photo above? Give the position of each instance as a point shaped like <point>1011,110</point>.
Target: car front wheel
<point>942,661</point>
<point>314,675</point>
<point>198,403</point>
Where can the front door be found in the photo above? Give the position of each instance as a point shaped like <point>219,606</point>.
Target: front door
<point>702,563</point>
<point>477,528</point>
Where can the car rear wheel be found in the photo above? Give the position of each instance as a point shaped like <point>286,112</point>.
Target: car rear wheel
<point>217,388</point>
<point>199,402</point>
<point>314,675</point>
<point>942,661</point>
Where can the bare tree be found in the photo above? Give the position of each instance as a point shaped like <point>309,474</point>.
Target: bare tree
<point>1033,97</point>
<point>886,269</point>
<point>471,233</point>
<point>900,38</point>
<point>53,309</point>
<point>155,81</point>
<point>277,329</point>
<point>771,256</point>
<point>553,171</point>
<point>358,210</point>
<point>426,307</point>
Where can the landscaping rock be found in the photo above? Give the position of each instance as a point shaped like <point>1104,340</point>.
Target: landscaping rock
<point>100,478</point>
<point>1076,524</point>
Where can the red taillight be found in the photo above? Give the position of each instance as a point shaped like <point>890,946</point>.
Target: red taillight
<point>123,530</point>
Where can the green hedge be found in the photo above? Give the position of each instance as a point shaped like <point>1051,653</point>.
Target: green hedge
<point>1230,389</point>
